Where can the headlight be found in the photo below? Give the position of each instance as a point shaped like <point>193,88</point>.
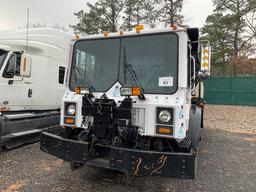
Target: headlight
<point>134,91</point>
<point>71,109</point>
<point>165,116</point>
<point>125,91</point>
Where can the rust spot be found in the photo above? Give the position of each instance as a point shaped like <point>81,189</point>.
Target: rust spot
<point>16,186</point>
<point>162,163</point>
<point>138,162</point>
<point>147,167</point>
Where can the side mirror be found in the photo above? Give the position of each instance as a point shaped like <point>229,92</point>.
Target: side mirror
<point>205,68</point>
<point>25,65</point>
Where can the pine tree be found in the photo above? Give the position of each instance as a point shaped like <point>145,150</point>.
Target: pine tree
<point>238,10</point>
<point>227,29</point>
<point>170,11</point>
<point>104,15</point>
<point>138,12</point>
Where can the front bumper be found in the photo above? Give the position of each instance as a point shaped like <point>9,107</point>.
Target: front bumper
<point>129,161</point>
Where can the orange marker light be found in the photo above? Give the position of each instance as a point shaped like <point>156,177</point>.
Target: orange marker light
<point>78,90</point>
<point>139,28</point>
<point>165,131</point>
<point>136,91</point>
<point>77,37</point>
<point>205,51</point>
<point>121,33</point>
<point>25,63</point>
<point>69,121</point>
<point>105,33</point>
<point>206,58</point>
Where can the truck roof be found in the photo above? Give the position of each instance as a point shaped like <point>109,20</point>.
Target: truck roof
<point>39,40</point>
<point>131,33</point>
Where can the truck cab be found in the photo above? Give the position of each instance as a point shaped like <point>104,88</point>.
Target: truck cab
<point>32,71</point>
<point>13,82</point>
<point>130,102</point>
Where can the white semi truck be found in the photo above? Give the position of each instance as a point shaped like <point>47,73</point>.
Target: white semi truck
<point>133,102</point>
<point>32,69</point>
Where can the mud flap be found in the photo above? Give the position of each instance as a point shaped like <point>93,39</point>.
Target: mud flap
<point>195,129</point>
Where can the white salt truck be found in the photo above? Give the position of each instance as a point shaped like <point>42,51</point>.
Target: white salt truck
<point>133,102</point>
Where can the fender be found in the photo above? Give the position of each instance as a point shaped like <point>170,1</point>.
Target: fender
<point>195,130</point>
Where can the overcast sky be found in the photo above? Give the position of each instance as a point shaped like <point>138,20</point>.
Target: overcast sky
<point>61,12</point>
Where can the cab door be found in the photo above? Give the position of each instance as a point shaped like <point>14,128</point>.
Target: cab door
<point>16,92</point>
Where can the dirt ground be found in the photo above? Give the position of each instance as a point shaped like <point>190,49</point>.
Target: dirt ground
<point>227,162</point>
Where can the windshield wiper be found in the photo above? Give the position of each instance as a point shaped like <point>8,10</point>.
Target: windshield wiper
<point>82,76</point>
<point>132,75</point>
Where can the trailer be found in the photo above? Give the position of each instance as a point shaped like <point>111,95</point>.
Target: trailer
<point>134,102</point>
<point>32,71</point>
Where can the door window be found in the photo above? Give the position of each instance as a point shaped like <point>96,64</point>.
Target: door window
<point>61,75</point>
<point>13,66</point>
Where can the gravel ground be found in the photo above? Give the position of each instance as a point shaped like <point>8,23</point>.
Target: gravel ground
<point>227,162</point>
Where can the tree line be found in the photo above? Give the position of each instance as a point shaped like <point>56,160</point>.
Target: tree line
<point>231,28</point>
<point>114,15</point>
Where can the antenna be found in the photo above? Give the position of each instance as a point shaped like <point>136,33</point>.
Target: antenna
<point>27,30</point>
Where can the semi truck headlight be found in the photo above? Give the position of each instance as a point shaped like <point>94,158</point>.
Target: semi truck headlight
<point>70,109</point>
<point>82,91</point>
<point>165,116</point>
<point>125,91</point>
<point>134,91</point>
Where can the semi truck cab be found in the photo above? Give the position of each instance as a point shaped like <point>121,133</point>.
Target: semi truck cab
<point>32,69</point>
<point>12,74</point>
<point>130,102</point>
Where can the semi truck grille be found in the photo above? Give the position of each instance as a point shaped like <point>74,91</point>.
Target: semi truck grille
<point>138,118</point>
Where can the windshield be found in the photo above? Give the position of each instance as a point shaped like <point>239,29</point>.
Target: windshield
<point>3,55</point>
<point>148,61</point>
